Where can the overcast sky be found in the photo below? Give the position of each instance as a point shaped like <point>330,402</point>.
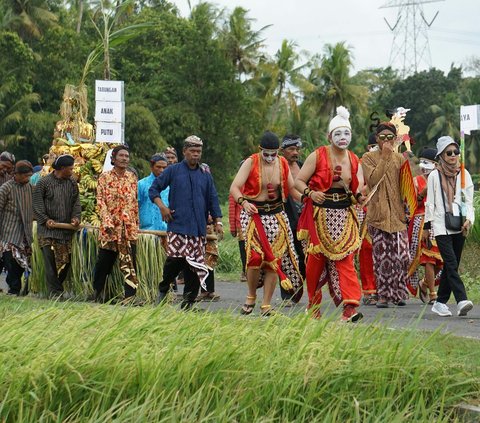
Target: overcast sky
<point>453,37</point>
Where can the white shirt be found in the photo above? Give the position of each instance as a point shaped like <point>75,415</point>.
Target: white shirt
<point>434,210</point>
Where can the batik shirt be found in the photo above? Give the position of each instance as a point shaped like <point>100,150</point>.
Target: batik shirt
<point>118,207</point>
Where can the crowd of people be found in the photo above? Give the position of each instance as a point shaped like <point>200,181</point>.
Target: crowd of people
<point>297,223</point>
<point>344,207</point>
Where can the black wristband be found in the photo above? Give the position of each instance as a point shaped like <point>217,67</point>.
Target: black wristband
<point>427,226</point>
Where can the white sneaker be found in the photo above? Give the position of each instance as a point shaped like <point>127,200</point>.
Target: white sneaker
<point>441,309</point>
<point>463,307</point>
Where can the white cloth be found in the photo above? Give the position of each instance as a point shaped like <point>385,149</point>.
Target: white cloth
<point>434,210</point>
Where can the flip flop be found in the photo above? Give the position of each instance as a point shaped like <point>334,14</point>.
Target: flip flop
<point>422,292</point>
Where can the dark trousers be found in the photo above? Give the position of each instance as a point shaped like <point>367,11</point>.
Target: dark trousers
<point>53,278</point>
<point>451,247</point>
<point>301,265</point>
<point>243,254</point>
<point>103,267</point>
<point>14,273</point>
<point>171,268</point>
<point>210,282</point>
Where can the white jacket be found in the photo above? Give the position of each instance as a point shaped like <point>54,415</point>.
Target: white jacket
<point>434,210</point>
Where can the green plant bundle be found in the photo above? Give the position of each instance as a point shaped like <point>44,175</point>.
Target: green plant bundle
<point>73,362</point>
<point>150,258</point>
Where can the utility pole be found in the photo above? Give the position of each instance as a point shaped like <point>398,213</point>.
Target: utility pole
<point>410,48</point>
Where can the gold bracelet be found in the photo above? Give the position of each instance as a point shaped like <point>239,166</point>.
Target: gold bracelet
<point>307,192</point>
<point>240,200</point>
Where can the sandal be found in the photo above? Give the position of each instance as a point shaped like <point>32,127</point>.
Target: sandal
<point>369,300</point>
<point>422,291</point>
<point>267,310</point>
<point>433,297</point>
<point>248,308</point>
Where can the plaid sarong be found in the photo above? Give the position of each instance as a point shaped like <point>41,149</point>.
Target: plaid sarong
<point>191,248</point>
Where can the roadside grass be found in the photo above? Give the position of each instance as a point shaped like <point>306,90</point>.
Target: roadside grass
<point>75,362</point>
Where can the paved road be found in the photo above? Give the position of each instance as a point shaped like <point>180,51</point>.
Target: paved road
<point>414,314</point>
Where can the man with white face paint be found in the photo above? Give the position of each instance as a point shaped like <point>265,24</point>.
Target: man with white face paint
<point>261,187</point>
<point>331,180</point>
<point>423,247</point>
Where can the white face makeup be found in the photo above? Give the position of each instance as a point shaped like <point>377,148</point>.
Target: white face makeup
<point>269,155</point>
<point>342,137</point>
<point>426,166</point>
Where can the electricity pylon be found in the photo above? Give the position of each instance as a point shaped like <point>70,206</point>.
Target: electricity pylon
<point>410,48</point>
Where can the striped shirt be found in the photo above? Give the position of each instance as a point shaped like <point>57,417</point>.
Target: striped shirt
<point>56,199</point>
<point>16,213</point>
<point>5,177</point>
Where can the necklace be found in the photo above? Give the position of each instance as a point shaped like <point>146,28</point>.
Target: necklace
<point>337,169</point>
<point>270,188</point>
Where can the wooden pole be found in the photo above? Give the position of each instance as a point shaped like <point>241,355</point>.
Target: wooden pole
<point>70,227</point>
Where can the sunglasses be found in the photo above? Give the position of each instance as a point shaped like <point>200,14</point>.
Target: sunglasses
<point>384,137</point>
<point>451,153</point>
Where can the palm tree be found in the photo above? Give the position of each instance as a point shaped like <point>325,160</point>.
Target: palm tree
<point>330,85</point>
<point>29,17</point>
<point>12,114</point>
<point>285,73</point>
<point>241,43</point>
<point>446,117</point>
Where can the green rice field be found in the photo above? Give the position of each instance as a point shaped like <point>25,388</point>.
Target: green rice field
<point>78,362</point>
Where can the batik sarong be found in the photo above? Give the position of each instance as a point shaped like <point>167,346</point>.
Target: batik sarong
<point>125,260</point>
<point>21,254</point>
<point>62,250</point>
<point>192,249</point>
<point>391,259</point>
<point>330,259</point>
<point>280,237</point>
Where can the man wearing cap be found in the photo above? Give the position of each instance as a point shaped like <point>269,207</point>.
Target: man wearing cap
<point>449,213</point>
<point>56,200</point>
<point>192,198</point>
<point>171,155</point>
<point>150,216</point>
<point>16,217</point>
<point>261,187</point>
<point>331,180</point>
<point>423,252</point>
<point>7,165</point>
<point>291,148</point>
<point>386,218</point>
<point>118,209</point>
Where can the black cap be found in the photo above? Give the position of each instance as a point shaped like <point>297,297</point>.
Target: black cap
<point>428,153</point>
<point>64,160</point>
<point>269,141</point>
